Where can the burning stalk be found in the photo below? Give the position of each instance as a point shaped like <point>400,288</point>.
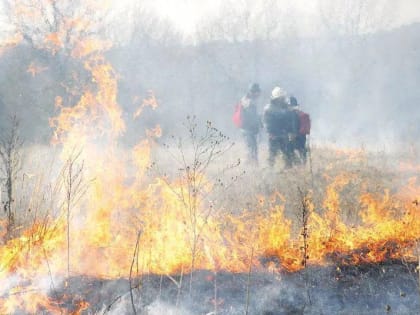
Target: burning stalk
<point>75,188</point>
<point>50,275</point>
<point>207,147</point>
<point>305,212</point>
<point>304,215</point>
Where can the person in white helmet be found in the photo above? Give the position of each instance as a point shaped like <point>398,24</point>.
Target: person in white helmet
<point>281,124</point>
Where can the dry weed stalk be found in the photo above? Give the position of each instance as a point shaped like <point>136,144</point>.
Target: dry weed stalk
<point>75,188</point>
<point>135,258</point>
<point>304,216</point>
<point>178,284</point>
<point>418,265</point>
<point>11,163</point>
<point>248,285</point>
<point>215,293</point>
<point>193,167</point>
<point>51,277</point>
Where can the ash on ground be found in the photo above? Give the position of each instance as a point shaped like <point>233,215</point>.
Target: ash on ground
<point>367,289</point>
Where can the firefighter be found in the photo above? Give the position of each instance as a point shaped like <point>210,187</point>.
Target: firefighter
<point>250,120</point>
<point>281,124</point>
<point>303,130</point>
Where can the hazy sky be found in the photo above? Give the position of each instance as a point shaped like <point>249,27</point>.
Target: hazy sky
<point>187,13</point>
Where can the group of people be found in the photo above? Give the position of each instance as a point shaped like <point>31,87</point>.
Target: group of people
<point>286,125</point>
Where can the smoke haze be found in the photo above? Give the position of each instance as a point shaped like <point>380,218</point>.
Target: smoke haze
<point>360,88</point>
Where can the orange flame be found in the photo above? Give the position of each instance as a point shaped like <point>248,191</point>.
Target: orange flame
<point>149,101</point>
<point>34,69</point>
<point>10,42</point>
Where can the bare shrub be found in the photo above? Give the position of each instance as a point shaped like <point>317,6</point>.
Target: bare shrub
<point>11,164</point>
<point>195,156</point>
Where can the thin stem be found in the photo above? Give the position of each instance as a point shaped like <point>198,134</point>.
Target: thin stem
<point>248,285</point>
<point>136,249</point>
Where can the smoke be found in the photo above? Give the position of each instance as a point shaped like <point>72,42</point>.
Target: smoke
<point>358,87</point>
<point>159,308</point>
<point>327,290</point>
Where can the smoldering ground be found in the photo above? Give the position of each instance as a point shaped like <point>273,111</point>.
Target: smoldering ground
<point>368,289</point>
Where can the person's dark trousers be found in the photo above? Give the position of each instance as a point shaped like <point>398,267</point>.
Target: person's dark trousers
<point>282,144</point>
<point>288,152</point>
<point>251,143</point>
<point>300,145</point>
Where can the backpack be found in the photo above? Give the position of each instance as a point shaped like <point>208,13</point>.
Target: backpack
<point>237,115</point>
<point>304,123</point>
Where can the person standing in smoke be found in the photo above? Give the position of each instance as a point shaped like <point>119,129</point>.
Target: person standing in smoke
<point>303,130</point>
<point>250,120</point>
<point>282,125</point>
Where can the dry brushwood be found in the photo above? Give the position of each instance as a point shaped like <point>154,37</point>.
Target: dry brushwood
<point>75,188</point>
<point>194,155</point>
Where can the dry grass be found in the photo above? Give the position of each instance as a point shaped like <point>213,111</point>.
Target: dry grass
<point>243,187</point>
<point>364,172</point>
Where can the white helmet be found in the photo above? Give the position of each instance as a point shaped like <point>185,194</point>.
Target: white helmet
<point>278,92</point>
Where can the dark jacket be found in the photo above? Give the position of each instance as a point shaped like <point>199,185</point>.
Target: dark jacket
<point>279,120</point>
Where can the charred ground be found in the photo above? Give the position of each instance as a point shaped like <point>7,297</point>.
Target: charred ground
<point>385,288</point>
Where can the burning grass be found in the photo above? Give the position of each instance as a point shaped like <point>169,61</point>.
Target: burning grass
<point>358,215</point>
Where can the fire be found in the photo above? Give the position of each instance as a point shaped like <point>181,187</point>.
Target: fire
<point>149,101</point>
<point>10,42</point>
<point>97,114</point>
<point>381,226</point>
<point>118,206</point>
<point>175,236</point>
<point>89,46</point>
<point>332,201</point>
<point>155,132</point>
<point>54,41</point>
<point>34,69</point>
<point>16,300</point>
<point>82,306</point>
